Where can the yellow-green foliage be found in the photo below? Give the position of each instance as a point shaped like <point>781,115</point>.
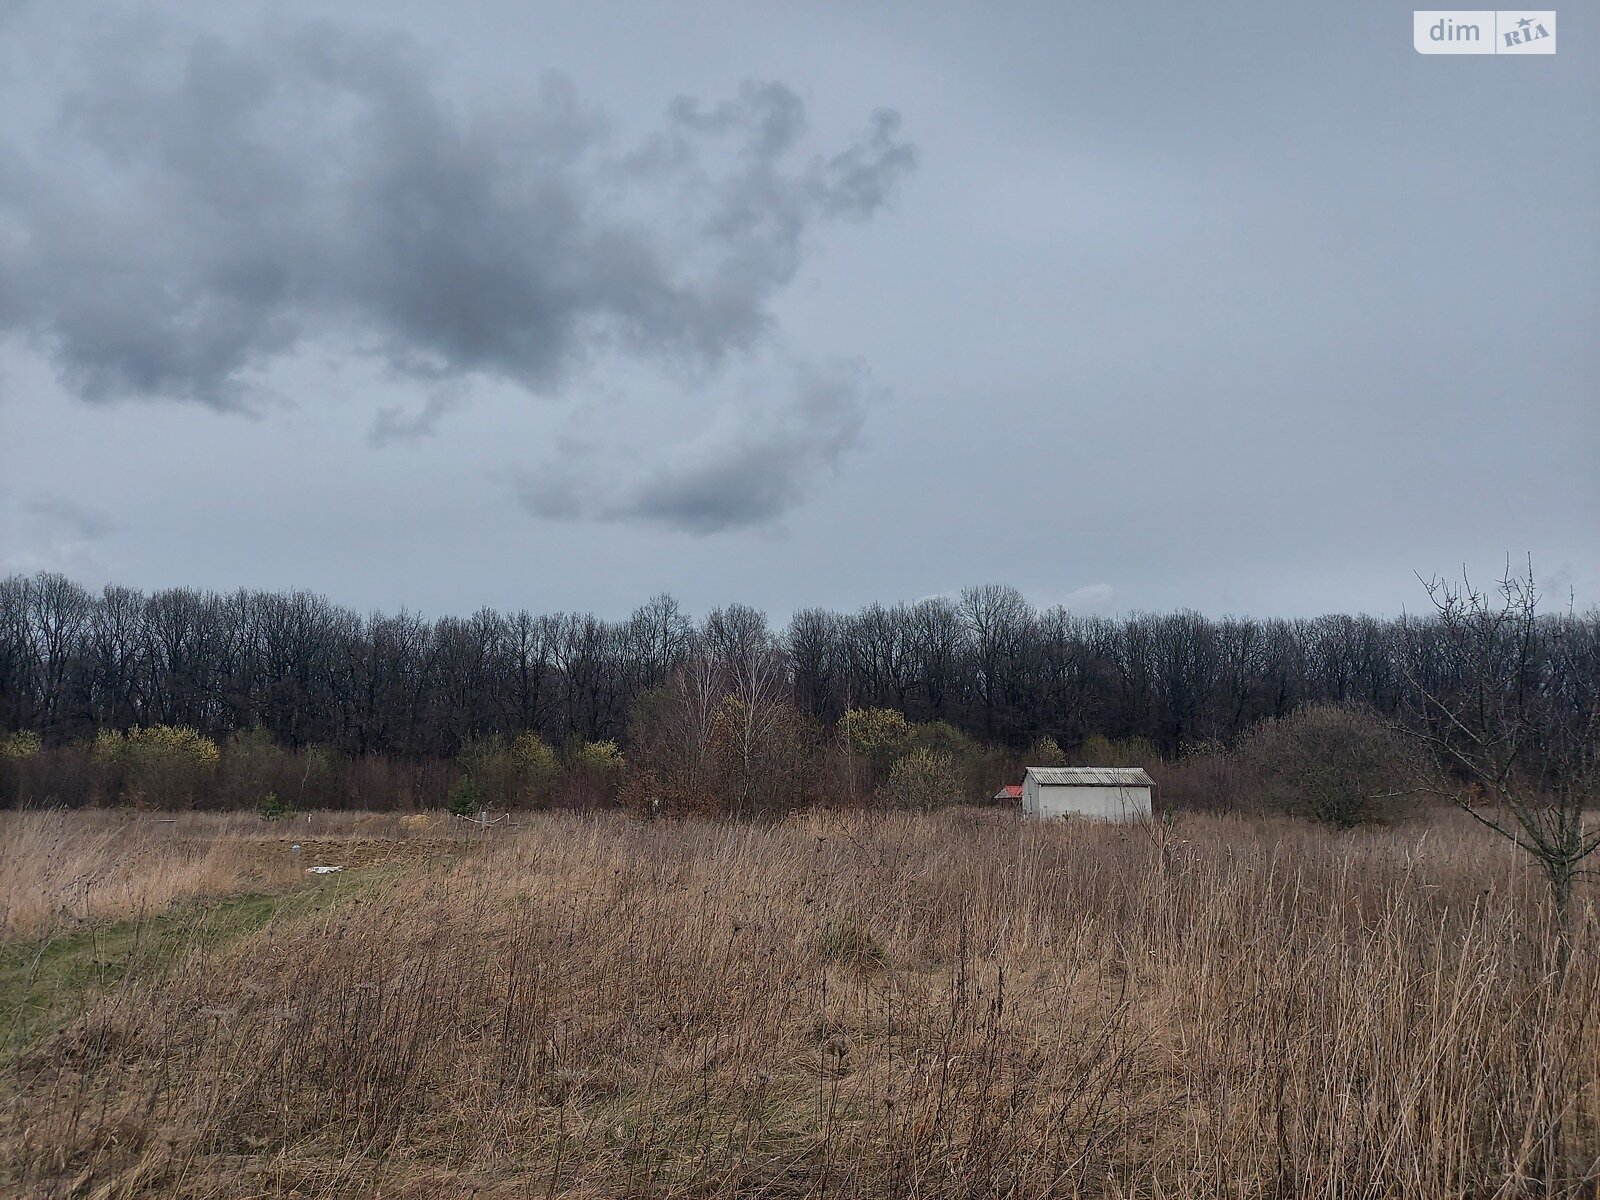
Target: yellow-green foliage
<point>510,773</point>
<point>535,762</point>
<point>598,756</point>
<point>158,764</point>
<point>885,739</point>
<point>19,746</point>
<point>878,733</point>
<point>487,760</point>
<point>941,737</point>
<point>174,743</point>
<point>1046,752</point>
<point>156,743</point>
<point>108,744</point>
<point>1101,751</point>
<point>923,779</point>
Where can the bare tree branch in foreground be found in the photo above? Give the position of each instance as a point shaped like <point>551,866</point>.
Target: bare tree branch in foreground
<point>1504,700</point>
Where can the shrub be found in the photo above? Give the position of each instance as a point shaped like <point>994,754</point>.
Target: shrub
<point>253,766</point>
<point>876,736</point>
<point>597,756</point>
<point>273,809</point>
<point>941,737</point>
<point>489,763</point>
<point>20,746</point>
<point>923,779</point>
<point>593,773</point>
<point>641,794</point>
<point>1101,751</point>
<point>21,759</point>
<point>108,746</point>
<point>466,798</point>
<point>1334,764</point>
<point>1207,777</point>
<point>1047,752</point>
<point>976,767</point>
<point>378,782</point>
<point>535,765</point>
<point>160,765</point>
<point>877,733</point>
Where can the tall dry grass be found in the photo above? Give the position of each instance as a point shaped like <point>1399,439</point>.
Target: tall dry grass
<point>911,1006</point>
<point>60,868</point>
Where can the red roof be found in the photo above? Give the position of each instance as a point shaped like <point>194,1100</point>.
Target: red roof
<point>1011,791</point>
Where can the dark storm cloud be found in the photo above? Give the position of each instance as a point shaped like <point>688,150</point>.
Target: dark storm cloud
<point>195,214</point>
<point>746,470</point>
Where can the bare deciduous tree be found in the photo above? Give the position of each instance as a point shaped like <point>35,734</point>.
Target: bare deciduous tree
<point>313,673</point>
<point>1504,699</point>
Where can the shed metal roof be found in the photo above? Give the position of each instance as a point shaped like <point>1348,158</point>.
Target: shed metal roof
<point>1091,776</point>
<point>1011,791</point>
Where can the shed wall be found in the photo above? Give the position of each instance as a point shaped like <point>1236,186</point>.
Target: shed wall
<point>1100,803</point>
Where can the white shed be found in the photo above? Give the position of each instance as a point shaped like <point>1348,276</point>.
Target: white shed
<point>1100,793</point>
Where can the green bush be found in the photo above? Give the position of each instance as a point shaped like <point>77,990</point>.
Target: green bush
<point>466,798</point>
<point>273,809</point>
<point>941,737</point>
<point>488,762</point>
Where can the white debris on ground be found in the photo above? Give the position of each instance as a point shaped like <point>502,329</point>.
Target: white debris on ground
<point>322,870</point>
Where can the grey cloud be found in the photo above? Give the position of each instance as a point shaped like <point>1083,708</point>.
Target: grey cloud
<point>53,533</point>
<point>393,424</point>
<point>747,469</point>
<point>67,516</point>
<point>858,180</point>
<point>193,218</point>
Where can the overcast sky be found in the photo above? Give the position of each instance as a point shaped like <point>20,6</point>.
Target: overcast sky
<point>1240,307</point>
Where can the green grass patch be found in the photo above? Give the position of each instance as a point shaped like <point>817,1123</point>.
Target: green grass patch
<point>46,982</point>
<point>848,940</point>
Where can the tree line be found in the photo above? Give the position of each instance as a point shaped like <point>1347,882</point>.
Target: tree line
<point>308,672</point>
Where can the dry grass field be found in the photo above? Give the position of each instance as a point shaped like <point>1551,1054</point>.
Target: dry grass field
<point>955,1005</point>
